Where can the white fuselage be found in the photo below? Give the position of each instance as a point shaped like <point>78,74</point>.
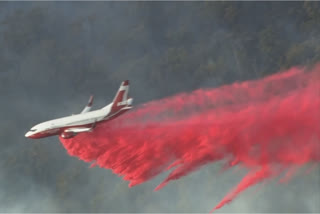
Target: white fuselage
<point>70,126</point>
<point>53,127</point>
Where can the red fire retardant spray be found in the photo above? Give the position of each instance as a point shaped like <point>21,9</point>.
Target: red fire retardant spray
<point>268,126</point>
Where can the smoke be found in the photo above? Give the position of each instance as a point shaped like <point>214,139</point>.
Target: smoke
<point>268,126</point>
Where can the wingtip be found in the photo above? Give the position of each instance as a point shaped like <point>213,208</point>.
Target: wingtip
<point>90,100</point>
<point>126,82</point>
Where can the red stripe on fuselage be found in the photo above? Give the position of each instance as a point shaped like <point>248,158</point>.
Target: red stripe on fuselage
<point>115,107</point>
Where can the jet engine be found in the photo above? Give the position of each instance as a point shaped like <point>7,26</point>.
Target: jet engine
<point>67,135</point>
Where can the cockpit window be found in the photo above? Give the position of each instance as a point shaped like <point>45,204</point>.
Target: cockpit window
<point>33,130</point>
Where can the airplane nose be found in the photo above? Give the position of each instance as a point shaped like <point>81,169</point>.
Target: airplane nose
<point>27,134</point>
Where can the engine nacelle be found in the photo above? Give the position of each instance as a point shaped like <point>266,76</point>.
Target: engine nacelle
<point>67,135</point>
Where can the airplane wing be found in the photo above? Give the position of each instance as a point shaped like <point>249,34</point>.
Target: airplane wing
<point>88,106</point>
<point>71,132</point>
<point>78,130</point>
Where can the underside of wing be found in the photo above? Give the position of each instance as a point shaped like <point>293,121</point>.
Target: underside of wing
<point>71,132</point>
<point>78,130</point>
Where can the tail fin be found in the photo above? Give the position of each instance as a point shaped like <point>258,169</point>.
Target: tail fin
<point>121,99</point>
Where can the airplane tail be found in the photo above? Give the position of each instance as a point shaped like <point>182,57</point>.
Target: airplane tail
<point>121,99</point>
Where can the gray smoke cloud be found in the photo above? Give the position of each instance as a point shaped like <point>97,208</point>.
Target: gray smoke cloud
<point>54,55</point>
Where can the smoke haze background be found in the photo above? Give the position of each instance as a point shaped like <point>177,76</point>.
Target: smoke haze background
<point>55,54</point>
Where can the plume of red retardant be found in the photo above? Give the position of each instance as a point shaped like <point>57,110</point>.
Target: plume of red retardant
<point>267,126</point>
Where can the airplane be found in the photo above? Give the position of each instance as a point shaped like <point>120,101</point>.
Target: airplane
<point>70,126</point>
